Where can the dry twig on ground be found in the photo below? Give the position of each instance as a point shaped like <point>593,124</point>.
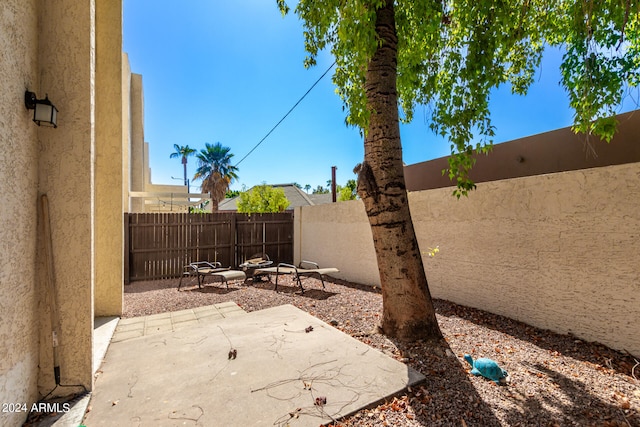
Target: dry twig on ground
<point>555,379</point>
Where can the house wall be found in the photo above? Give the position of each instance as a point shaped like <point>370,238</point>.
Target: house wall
<point>66,71</point>
<point>18,213</point>
<point>126,132</point>
<point>51,48</point>
<point>158,188</point>
<point>137,170</point>
<point>109,246</point>
<point>559,251</point>
<point>139,175</point>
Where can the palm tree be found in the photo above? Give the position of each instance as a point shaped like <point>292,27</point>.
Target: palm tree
<point>216,171</point>
<point>183,152</point>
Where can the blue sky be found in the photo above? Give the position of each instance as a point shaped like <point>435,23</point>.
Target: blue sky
<point>219,71</point>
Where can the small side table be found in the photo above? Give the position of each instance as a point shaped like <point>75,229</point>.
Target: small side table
<point>249,268</point>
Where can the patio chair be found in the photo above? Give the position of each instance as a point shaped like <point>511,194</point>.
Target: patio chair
<point>283,268</point>
<point>201,269</point>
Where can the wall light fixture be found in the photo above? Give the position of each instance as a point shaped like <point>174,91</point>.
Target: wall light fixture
<point>44,112</point>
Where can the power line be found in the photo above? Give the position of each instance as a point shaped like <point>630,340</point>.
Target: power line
<point>288,112</point>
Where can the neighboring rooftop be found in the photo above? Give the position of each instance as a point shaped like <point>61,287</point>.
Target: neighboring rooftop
<point>555,151</point>
<point>296,196</point>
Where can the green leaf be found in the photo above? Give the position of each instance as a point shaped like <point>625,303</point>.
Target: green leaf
<point>452,54</point>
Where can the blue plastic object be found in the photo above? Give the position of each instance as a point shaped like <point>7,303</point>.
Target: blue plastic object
<point>488,368</point>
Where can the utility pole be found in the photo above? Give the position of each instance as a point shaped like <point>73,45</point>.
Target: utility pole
<point>333,183</point>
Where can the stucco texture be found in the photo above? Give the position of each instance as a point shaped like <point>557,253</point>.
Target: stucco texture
<point>126,131</point>
<point>18,214</point>
<point>66,174</point>
<point>337,235</point>
<point>50,48</point>
<point>558,251</point>
<point>109,245</point>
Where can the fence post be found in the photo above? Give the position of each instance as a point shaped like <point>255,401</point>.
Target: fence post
<point>234,239</point>
<point>297,235</point>
<point>127,258</point>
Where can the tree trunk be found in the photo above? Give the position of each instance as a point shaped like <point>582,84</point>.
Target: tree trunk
<point>184,163</point>
<point>408,312</point>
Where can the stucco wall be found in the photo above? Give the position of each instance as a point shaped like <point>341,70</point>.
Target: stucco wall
<point>558,251</point>
<point>137,155</point>
<point>66,48</point>
<point>109,237</point>
<point>126,131</point>
<point>18,213</point>
<point>337,235</point>
<point>50,48</point>
<point>137,141</point>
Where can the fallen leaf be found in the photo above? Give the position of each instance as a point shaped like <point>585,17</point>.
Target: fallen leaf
<point>625,404</point>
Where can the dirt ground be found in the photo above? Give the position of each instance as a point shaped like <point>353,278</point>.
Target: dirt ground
<point>554,380</point>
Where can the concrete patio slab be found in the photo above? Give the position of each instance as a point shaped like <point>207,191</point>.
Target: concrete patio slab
<point>185,377</point>
<point>103,329</point>
<point>136,327</point>
<point>113,329</point>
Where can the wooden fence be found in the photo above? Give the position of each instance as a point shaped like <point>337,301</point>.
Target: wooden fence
<point>158,245</point>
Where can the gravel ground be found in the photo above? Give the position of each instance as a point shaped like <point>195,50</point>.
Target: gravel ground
<point>555,380</point>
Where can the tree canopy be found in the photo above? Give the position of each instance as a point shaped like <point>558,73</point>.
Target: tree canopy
<point>392,55</point>
<point>183,152</point>
<point>348,192</point>
<point>262,199</point>
<point>216,171</point>
<point>451,54</point>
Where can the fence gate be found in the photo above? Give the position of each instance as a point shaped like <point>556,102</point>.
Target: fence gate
<point>158,245</point>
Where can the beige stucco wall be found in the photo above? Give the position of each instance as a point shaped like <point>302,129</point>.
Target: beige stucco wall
<point>109,283</point>
<point>18,214</point>
<point>50,48</point>
<point>137,156</point>
<point>558,251</point>
<point>137,170</point>
<point>336,235</point>
<point>66,175</point>
<point>126,131</point>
